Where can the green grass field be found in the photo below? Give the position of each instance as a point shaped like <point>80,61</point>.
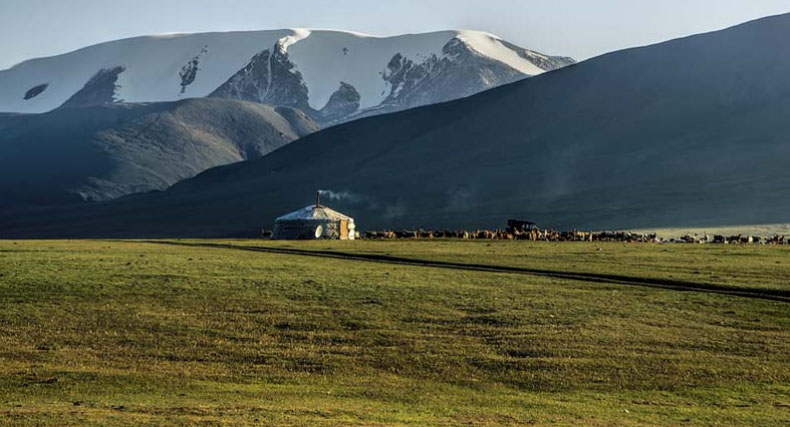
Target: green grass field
<point>130,333</point>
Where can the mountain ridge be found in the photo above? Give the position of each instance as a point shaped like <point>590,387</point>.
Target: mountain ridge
<point>315,65</point>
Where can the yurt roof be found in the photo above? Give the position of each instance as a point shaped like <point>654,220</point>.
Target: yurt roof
<point>314,212</point>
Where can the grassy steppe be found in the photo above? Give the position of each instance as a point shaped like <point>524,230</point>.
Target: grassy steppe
<point>750,266</point>
<point>129,333</point>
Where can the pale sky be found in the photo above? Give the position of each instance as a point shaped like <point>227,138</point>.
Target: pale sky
<point>578,28</point>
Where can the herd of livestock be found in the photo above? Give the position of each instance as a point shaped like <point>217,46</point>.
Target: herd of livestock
<point>537,235</point>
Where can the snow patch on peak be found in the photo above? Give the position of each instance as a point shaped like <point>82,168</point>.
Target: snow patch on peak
<point>491,46</point>
<point>298,34</point>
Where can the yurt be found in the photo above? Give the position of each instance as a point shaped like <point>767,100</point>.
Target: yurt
<point>314,222</point>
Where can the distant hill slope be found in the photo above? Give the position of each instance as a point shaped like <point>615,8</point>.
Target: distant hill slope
<point>8,119</point>
<point>98,153</point>
<point>694,131</point>
<point>333,76</point>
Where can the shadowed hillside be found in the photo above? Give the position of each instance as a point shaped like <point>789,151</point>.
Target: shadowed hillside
<point>99,153</point>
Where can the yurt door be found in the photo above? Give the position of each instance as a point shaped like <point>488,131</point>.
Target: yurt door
<point>343,229</point>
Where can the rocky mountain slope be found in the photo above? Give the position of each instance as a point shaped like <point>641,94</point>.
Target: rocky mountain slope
<point>102,152</point>
<point>684,133</point>
<point>332,76</point>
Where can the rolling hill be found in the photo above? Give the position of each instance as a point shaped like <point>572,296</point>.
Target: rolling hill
<point>693,131</point>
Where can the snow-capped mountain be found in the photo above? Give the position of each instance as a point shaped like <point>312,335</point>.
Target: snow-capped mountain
<point>332,76</point>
